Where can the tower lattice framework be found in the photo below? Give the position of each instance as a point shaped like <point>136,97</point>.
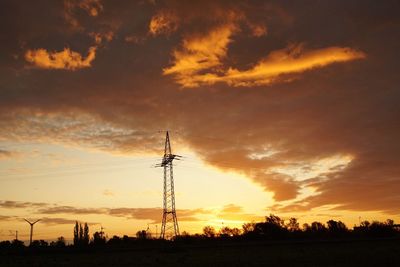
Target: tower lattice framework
<point>169,227</point>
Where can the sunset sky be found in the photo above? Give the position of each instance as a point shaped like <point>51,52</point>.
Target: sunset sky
<point>283,107</point>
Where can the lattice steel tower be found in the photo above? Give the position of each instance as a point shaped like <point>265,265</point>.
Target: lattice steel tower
<point>169,227</point>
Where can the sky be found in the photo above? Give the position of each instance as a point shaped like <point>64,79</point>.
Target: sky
<point>277,107</point>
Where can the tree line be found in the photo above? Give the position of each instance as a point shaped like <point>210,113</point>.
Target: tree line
<point>276,228</point>
<point>272,228</point>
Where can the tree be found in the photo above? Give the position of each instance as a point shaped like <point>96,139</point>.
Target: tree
<point>306,227</point>
<point>226,231</point>
<point>142,234</point>
<point>60,243</point>
<point>248,228</point>
<point>115,240</point>
<point>293,225</point>
<point>98,239</point>
<point>39,243</point>
<point>85,240</point>
<point>272,227</point>
<point>209,231</point>
<point>81,234</point>
<point>365,224</point>
<point>317,227</point>
<point>17,244</point>
<point>76,234</point>
<point>274,220</point>
<point>336,226</point>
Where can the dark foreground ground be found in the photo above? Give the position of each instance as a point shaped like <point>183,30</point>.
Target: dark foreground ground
<point>310,253</point>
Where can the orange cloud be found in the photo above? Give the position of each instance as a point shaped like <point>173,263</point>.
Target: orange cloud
<point>65,59</point>
<point>200,53</point>
<point>196,64</point>
<point>258,30</point>
<point>287,61</point>
<point>92,7</point>
<point>234,212</point>
<point>164,22</point>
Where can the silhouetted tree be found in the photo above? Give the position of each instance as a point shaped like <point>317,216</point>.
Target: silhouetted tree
<point>272,227</point>
<point>98,239</point>
<point>365,224</point>
<point>209,231</point>
<point>39,243</point>
<point>293,225</point>
<point>81,234</point>
<point>17,244</point>
<point>275,220</point>
<point>76,234</point>
<point>85,240</point>
<point>143,234</point>
<point>248,228</point>
<point>379,229</point>
<point>317,227</point>
<point>60,242</point>
<point>185,234</point>
<point>336,227</point>
<point>115,240</point>
<point>226,231</point>
<point>306,227</point>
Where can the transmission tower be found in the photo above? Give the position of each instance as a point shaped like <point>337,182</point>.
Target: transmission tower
<point>169,227</point>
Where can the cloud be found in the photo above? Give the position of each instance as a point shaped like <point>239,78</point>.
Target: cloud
<point>231,208</point>
<point>284,187</point>
<point>153,214</point>
<point>5,154</point>
<point>6,218</point>
<point>71,14</point>
<point>66,59</point>
<point>200,53</point>
<point>8,204</point>
<point>291,60</point>
<point>163,22</point>
<point>343,109</point>
<point>258,30</point>
<point>71,210</point>
<point>92,7</point>
<point>57,221</point>
<point>234,212</point>
<point>277,66</point>
<point>108,193</point>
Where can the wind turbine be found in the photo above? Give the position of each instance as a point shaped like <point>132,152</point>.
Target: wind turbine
<point>31,224</point>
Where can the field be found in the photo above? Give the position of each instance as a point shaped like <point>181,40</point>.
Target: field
<point>310,253</point>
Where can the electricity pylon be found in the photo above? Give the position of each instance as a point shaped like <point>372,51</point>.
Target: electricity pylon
<point>31,224</point>
<point>169,227</point>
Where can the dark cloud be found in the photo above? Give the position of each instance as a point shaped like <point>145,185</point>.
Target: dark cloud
<point>59,221</point>
<point>346,110</point>
<point>235,213</point>
<point>71,210</point>
<point>153,214</point>
<point>8,204</point>
<point>6,218</point>
<point>231,208</point>
<point>5,154</point>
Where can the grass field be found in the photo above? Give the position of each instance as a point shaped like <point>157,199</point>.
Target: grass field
<point>332,253</point>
